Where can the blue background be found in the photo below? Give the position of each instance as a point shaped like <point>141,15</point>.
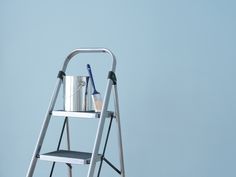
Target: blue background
<point>176,80</point>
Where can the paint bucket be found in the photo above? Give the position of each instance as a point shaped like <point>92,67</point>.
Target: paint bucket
<point>77,93</point>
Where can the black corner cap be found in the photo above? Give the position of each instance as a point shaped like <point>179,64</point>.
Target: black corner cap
<point>112,76</point>
<point>61,74</point>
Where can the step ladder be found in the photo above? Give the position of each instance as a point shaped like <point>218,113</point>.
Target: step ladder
<point>68,156</point>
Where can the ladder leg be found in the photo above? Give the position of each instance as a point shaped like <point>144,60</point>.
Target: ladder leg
<point>59,144</point>
<point>68,146</point>
<point>100,130</point>
<point>43,130</point>
<point>117,114</point>
<point>105,146</point>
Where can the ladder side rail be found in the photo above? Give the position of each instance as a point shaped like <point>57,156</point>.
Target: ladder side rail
<point>100,129</point>
<point>68,146</point>
<point>43,130</point>
<point>117,115</point>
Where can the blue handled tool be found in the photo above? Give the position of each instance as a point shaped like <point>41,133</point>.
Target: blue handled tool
<point>86,95</point>
<point>96,96</point>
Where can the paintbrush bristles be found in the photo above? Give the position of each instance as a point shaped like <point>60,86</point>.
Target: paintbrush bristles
<point>98,106</point>
<point>97,102</point>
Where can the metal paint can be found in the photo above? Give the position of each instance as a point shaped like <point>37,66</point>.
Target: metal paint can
<point>77,93</point>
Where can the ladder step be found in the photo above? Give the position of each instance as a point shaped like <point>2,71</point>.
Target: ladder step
<point>85,114</point>
<point>71,157</point>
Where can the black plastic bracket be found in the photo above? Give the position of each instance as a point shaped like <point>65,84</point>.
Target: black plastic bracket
<point>69,165</point>
<point>61,74</point>
<point>112,76</point>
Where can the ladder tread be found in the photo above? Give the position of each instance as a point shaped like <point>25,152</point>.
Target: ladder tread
<point>71,157</point>
<point>84,114</point>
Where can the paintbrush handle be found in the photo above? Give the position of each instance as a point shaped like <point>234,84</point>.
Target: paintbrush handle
<point>86,87</point>
<point>91,76</point>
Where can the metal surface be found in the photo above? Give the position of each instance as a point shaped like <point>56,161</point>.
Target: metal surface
<point>76,97</point>
<point>43,130</point>
<point>74,157</point>
<point>100,129</point>
<point>71,157</point>
<point>68,145</point>
<point>90,50</point>
<point>117,114</point>
<point>90,115</point>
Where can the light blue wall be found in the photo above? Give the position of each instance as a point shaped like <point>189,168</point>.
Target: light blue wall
<point>176,75</point>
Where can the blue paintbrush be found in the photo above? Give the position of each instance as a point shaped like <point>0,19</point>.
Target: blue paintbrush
<point>96,96</point>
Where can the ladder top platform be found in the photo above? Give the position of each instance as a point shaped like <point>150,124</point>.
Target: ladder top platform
<point>85,114</point>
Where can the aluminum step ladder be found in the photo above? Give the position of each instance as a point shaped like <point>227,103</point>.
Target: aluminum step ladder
<point>68,156</point>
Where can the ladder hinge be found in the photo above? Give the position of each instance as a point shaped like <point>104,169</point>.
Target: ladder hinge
<point>61,74</point>
<point>112,76</point>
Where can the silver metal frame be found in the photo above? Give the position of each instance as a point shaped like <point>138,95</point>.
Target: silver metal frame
<point>68,145</point>
<point>117,115</point>
<point>101,123</point>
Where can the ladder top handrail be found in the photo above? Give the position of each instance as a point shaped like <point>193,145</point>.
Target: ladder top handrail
<point>89,50</point>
